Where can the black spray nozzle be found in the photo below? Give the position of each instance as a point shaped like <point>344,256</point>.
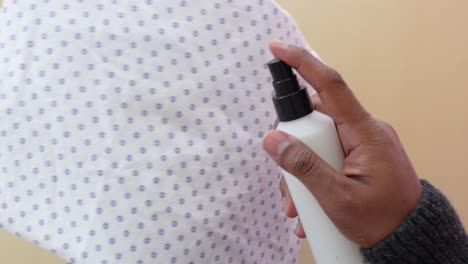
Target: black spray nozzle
<point>291,100</point>
<point>279,70</point>
<point>284,80</point>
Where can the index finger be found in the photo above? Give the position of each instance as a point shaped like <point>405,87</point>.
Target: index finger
<point>337,98</point>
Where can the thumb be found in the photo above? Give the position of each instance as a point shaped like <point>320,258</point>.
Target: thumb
<point>299,160</point>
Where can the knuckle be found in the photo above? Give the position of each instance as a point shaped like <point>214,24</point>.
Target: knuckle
<point>335,78</point>
<point>391,130</point>
<point>305,163</point>
<point>386,126</point>
<point>303,52</point>
<point>388,130</point>
<point>301,55</point>
<point>373,131</point>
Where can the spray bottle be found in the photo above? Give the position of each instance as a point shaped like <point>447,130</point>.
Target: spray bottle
<point>297,117</point>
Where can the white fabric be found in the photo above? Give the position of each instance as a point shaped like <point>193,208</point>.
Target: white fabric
<point>130,131</point>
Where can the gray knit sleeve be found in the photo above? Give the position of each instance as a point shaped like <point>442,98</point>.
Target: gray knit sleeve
<point>432,234</point>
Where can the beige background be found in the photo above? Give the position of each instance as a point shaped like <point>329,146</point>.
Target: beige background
<point>408,63</point>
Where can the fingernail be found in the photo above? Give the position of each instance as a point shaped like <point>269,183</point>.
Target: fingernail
<point>279,46</point>
<point>278,43</point>
<point>276,142</point>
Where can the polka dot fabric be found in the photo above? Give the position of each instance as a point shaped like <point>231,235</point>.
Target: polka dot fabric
<point>131,131</point>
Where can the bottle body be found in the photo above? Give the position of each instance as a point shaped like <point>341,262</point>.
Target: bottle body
<point>329,246</point>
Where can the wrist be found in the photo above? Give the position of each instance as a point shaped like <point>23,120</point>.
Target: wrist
<point>432,231</point>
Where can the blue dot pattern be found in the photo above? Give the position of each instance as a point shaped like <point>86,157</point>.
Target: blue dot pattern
<point>131,131</point>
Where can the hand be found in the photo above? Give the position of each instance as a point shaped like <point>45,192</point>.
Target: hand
<point>378,187</point>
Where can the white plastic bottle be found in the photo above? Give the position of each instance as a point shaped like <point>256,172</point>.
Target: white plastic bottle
<point>298,118</point>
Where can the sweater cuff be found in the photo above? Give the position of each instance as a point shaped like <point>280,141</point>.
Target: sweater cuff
<point>432,233</point>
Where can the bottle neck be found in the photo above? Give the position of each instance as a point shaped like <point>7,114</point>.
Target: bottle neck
<point>293,106</point>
